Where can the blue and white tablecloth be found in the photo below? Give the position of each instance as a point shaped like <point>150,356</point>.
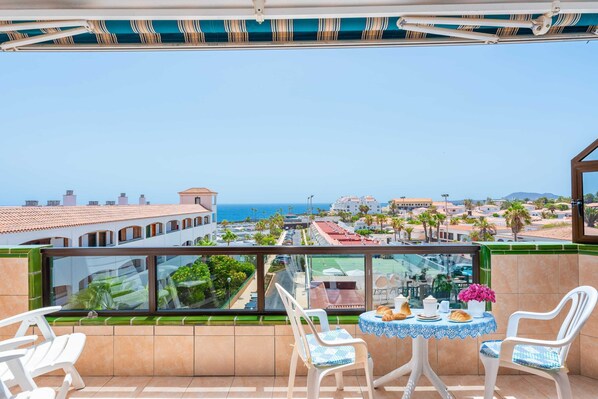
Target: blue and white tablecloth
<point>370,324</point>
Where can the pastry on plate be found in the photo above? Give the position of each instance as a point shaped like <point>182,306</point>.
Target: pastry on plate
<point>405,309</point>
<point>459,315</point>
<point>393,316</point>
<point>382,309</point>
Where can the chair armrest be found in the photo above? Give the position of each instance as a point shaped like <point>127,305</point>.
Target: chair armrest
<point>11,355</point>
<point>32,314</point>
<point>322,317</point>
<point>13,343</point>
<point>508,346</point>
<point>513,323</point>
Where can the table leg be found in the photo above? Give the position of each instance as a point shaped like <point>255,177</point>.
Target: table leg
<point>418,365</point>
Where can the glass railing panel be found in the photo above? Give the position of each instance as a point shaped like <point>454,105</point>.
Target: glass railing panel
<point>100,283</point>
<point>217,282</point>
<point>330,282</point>
<point>417,275</point>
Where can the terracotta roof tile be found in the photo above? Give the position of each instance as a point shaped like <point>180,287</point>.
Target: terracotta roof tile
<point>14,219</point>
<point>198,190</point>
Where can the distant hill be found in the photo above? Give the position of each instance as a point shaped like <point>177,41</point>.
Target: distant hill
<point>530,196</point>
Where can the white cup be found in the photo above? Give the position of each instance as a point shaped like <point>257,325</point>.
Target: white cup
<point>430,306</point>
<point>444,307</point>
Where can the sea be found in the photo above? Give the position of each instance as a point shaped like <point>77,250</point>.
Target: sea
<point>240,212</point>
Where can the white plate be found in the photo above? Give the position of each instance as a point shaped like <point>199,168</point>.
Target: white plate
<point>408,317</point>
<point>428,320</point>
<point>456,321</point>
<point>421,318</point>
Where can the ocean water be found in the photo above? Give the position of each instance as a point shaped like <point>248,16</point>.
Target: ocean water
<point>240,212</point>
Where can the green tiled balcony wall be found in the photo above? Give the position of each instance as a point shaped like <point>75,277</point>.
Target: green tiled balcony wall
<point>189,320</point>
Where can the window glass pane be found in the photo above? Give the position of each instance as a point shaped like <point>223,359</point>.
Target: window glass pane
<point>590,199</point>
<point>592,156</point>
<point>100,283</point>
<point>417,276</point>
<point>205,282</point>
<point>330,282</point>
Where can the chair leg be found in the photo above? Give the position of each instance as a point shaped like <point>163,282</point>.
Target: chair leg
<point>369,377</point>
<point>491,367</point>
<point>77,380</point>
<point>292,371</point>
<point>340,385</point>
<point>563,387</point>
<point>313,384</point>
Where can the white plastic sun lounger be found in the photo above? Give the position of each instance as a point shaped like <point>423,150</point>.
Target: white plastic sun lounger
<point>51,354</point>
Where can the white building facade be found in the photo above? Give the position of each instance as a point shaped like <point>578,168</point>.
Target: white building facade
<point>113,225</point>
<point>352,203</point>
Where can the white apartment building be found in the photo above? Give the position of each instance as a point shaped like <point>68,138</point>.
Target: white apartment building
<point>140,225</point>
<point>352,203</point>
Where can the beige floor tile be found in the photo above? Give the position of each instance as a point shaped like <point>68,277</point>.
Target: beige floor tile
<point>92,385</point>
<point>208,387</point>
<point>517,387</point>
<point>165,387</point>
<point>122,387</point>
<point>251,387</point>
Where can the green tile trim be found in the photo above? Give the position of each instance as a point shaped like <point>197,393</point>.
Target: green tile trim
<point>348,319</point>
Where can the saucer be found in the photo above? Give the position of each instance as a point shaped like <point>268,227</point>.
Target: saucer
<point>427,318</point>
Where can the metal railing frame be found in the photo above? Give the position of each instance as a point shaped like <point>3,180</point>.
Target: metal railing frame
<point>368,252</point>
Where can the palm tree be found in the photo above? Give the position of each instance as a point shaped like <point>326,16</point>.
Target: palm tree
<point>369,220</point>
<point>260,226</point>
<point>364,209</point>
<point>425,219</point>
<point>486,230</point>
<point>489,201</point>
<point>392,207</point>
<point>397,225</point>
<point>591,215</point>
<point>408,230</point>
<point>517,217</point>
<point>380,218</point>
<point>539,203</point>
<point>551,208</point>
<point>224,223</point>
<point>229,236</point>
<point>205,242</point>
<point>254,211</point>
<point>440,218</point>
<point>468,204</point>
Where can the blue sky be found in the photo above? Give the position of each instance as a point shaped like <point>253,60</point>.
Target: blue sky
<point>278,125</point>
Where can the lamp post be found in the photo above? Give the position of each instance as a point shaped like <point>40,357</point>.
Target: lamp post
<point>310,200</point>
<point>446,219</point>
<point>228,279</point>
<point>404,210</point>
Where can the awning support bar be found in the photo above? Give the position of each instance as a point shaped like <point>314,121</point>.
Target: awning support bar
<point>539,26</point>
<point>14,44</point>
<point>464,34</point>
<point>42,25</point>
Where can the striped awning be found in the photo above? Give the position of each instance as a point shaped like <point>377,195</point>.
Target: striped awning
<point>258,29</point>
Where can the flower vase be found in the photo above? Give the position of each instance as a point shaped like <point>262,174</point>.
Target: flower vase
<point>476,308</point>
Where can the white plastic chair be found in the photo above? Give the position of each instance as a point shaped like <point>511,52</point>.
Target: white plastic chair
<point>381,285</point>
<point>540,357</point>
<point>325,353</point>
<point>13,361</point>
<point>54,353</point>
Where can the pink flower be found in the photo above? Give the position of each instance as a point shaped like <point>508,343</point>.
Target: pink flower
<point>477,292</point>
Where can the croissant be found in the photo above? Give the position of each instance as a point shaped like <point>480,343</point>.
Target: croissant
<point>396,316</point>
<point>460,315</point>
<point>382,309</point>
<point>405,309</point>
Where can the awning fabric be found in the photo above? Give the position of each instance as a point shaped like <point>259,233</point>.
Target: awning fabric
<point>288,32</point>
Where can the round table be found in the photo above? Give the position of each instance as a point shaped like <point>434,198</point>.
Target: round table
<point>421,331</point>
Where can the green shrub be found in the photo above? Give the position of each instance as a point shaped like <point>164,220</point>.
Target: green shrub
<point>197,271</point>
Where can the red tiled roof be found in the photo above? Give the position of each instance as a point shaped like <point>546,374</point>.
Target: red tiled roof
<point>338,234</point>
<point>15,219</point>
<point>198,190</point>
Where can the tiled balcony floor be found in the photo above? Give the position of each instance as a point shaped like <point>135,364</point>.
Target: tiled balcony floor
<point>462,387</point>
